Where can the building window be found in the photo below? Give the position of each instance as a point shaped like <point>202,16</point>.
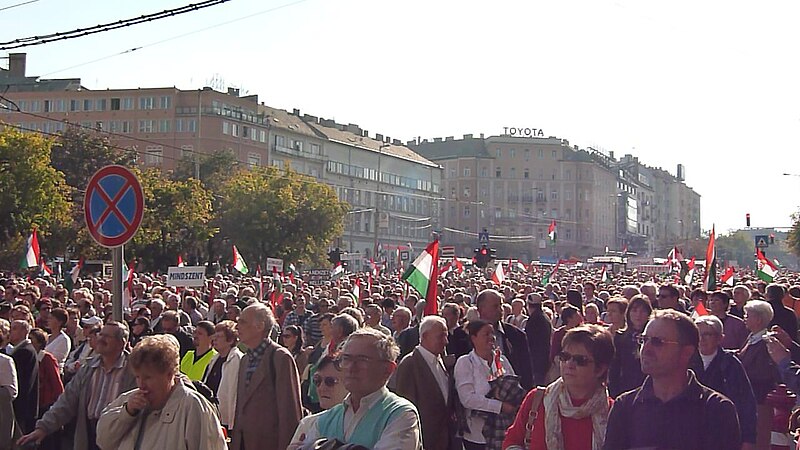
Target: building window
<point>315,149</point>
<point>452,172</point>
<point>127,103</point>
<point>146,126</point>
<point>467,172</point>
<point>512,153</point>
<point>163,126</point>
<point>126,127</point>
<point>187,152</point>
<point>262,136</point>
<point>484,172</point>
<point>568,195</point>
<point>568,175</point>
<point>540,153</point>
<point>498,173</point>
<point>115,104</point>
<point>499,153</point>
<point>466,192</point>
<point>61,105</point>
<point>297,145</point>
<point>554,195</point>
<point>527,154</point>
<point>498,213</point>
<point>253,159</point>
<point>568,234</point>
<point>145,102</point>
<point>555,154</point>
<point>526,174</point>
<point>513,172</point>
<point>235,129</point>
<point>88,105</point>
<point>154,155</point>
<point>467,211</point>
<point>226,127</point>
<point>277,163</point>
<point>74,105</point>
<point>280,141</point>
<point>165,102</point>
<point>100,104</point>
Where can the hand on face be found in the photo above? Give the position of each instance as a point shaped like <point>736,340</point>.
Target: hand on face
<point>137,402</point>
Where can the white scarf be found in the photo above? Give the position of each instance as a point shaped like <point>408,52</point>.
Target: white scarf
<point>557,404</point>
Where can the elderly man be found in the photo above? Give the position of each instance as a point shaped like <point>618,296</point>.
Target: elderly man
<point>511,341</point>
<point>671,409</point>
<point>96,384</point>
<point>720,370</point>
<point>422,379</point>
<point>26,405</point>
<point>538,332</point>
<point>372,318</point>
<point>782,316</point>
<point>268,394</point>
<point>406,336</point>
<point>734,330</point>
<point>370,416</point>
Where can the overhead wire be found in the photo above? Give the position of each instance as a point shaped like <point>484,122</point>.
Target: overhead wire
<point>81,32</point>
<point>18,4</point>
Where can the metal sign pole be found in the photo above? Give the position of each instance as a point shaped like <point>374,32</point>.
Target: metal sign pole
<point>116,281</point>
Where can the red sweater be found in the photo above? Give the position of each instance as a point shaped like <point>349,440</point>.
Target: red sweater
<point>50,385</point>
<point>577,432</point>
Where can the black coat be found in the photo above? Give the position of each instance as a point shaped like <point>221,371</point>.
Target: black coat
<point>515,346</point>
<point>26,405</point>
<point>625,372</point>
<point>458,343</point>
<point>538,332</point>
<point>407,340</point>
<point>784,318</point>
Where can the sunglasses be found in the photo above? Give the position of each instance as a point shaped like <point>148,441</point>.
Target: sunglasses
<point>580,360</point>
<point>655,341</point>
<point>329,381</point>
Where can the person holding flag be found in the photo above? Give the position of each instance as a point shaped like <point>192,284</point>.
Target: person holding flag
<point>422,275</point>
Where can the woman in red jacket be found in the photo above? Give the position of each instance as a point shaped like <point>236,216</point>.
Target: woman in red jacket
<point>572,412</point>
<point>50,385</point>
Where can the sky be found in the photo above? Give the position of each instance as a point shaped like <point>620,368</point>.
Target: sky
<point>711,85</point>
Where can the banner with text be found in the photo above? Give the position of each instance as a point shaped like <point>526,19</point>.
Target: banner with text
<point>192,276</point>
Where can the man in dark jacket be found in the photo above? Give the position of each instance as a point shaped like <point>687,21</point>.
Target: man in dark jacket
<point>721,370</point>
<point>26,405</point>
<point>538,332</point>
<point>782,316</point>
<point>671,409</point>
<point>511,340</point>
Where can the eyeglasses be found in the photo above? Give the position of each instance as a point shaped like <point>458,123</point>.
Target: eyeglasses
<point>655,341</point>
<point>329,381</point>
<point>580,360</point>
<point>345,361</point>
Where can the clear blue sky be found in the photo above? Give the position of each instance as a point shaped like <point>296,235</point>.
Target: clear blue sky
<point>712,85</point>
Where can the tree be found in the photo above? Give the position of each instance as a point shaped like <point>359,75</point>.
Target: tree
<point>268,213</point>
<point>177,220</point>
<point>32,194</point>
<point>793,237</point>
<point>213,169</point>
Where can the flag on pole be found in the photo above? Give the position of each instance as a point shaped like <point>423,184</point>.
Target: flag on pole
<point>765,269</point>
<point>32,254</point>
<point>687,280</point>
<point>498,276</point>
<point>337,271</point>
<point>47,271</point>
<point>238,262</point>
<point>180,261</point>
<point>625,250</point>
<point>546,279</point>
<point>700,309</point>
<point>521,266</point>
<point>674,259</point>
<point>260,283</point>
<point>604,275</point>
<point>458,266</point>
<point>277,289</point>
<point>727,277</point>
<point>551,231</point>
<point>710,281</point>
<point>357,290</point>
<point>422,275</point>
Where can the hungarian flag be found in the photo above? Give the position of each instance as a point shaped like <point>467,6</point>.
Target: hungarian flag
<point>498,276</point>
<point>32,255</point>
<point>674,259</point>
<point>604,275</point>
<point>687,279</point>
<point>422,275</point>
<point>546,279</point>
<point>700,309</point>
<point>445,269</point>
<point>765,269</point>
<point>458,266</point>
<point>551,231</point>
<point>337,271</point>
<point>357,289</point>
<point>47,271</point>
<point>710,282</point>
<point>180,261</point>
<point>521,266</point>
<point>625,250</point>
<point>238,262</point>
<point>727,277</point>
<point>277,289</point>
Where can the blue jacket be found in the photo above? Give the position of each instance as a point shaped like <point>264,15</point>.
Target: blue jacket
<point>726,375</point>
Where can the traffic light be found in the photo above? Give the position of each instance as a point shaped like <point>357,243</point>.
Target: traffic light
<point>482,257</point>
<point>771,239</point>
<point>747,219</point>
<point>335,256</point>
<point>492,254</point>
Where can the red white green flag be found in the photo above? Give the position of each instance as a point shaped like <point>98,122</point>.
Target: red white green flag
<point>422,275</point>
<point>765,269</point>
<point>551,232</point>
<point>710,281</point>
<point>238,262</point>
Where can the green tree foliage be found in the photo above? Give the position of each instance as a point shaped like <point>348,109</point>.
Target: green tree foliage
<point>214,169</point>
<point>32,194</point>
<point>177,220</point>
<point>737,246</point>
<point>793,237</point>
<point>269,213</point>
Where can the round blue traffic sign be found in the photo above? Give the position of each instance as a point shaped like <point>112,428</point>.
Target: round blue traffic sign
<point>113,206</point>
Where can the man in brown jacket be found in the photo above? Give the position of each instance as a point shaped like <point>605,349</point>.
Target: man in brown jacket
<point>268,395</point>
<point>422,379</point>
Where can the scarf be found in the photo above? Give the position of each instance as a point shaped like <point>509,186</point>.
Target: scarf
<point>557,404</point>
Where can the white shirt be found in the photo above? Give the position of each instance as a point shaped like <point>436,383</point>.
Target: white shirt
<point>401,433</point>
<point>8,375</point>
<point>707,359</point>
<point>472,382</point>
<point>437,368</point>
<point>59,347</point>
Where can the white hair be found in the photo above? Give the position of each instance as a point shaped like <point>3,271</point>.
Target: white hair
<point>712,321</point>
<point>761,309</point>
<point>429,322</point>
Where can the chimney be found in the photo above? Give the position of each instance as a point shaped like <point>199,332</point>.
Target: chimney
<point>296,112</point>
<point>467,136</point>
<point>481,135</point>
<point>411,143</point>
<point>396,142</point>
<point>611,154</point>
<point>437,139</point>
<point>353,128</point>
<point>327,123</point>
<point>16,64</point>
<point>387,139</point>
<point>309,118</point>
<point>233,91</point>
<point>379,137</point>
<point>448,138</point>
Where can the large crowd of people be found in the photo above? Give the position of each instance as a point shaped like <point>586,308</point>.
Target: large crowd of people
<point>636,361</point>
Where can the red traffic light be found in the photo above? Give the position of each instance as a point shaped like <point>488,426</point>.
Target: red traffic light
<point>483,251</point>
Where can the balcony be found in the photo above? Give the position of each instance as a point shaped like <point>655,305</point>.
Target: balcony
<point>297,153</point>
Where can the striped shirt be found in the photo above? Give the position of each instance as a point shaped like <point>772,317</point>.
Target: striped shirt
<point>104,385</point>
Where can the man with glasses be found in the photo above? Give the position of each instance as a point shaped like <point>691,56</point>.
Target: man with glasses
<point>370,416</point>
<point>669,297</point>
<point>671,409</point>
<point>101,380</point>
